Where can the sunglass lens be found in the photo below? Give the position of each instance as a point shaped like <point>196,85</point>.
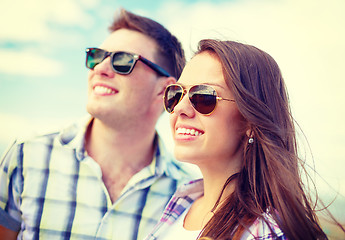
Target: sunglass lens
<point>203,98</point>
<point>172,96</point>
<point>94,56</point>
<point>123,62</point>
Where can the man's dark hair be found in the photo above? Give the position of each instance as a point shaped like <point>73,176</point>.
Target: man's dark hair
<point>170,54</point>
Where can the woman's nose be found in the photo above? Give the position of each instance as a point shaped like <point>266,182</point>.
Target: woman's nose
<point>184,107</point>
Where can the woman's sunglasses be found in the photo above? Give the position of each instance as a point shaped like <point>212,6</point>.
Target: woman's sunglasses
<point>202,97</point>
<point>122,62</point>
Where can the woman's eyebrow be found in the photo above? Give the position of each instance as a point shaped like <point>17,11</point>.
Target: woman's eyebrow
<point>203,83</point>
<point>214,84</point>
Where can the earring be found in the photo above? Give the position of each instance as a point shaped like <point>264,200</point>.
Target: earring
<point>250,140</point>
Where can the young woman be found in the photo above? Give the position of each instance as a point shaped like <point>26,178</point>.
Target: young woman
<point>230,116</point>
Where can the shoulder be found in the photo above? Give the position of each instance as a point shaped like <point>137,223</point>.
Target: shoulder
<point>32,144</point>
<point>38,143</point>
<point>264,227</point>
<point>61,135</point>
<point>184,196</point>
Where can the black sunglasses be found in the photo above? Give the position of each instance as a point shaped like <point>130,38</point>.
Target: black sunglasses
<point>122,62</point>
<point>202,97</point>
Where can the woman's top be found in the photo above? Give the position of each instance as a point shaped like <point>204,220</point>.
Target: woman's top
<point>170,225</point>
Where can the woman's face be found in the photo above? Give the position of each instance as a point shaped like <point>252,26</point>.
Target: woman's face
<point>207,140</point>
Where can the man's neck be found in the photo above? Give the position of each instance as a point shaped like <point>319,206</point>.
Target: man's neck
<point>120,153</point>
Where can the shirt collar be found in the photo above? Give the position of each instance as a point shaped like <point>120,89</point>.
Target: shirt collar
<point>74,136</point>
<point>194,189</point>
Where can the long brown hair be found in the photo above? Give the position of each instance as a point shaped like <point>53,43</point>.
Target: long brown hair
<point>270,178</point>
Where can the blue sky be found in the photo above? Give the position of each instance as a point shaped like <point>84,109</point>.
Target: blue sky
<point>43,75</point>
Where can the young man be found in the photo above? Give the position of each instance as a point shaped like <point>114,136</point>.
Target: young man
<point>110,177</point>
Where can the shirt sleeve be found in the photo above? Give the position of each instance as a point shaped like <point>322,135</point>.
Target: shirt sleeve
<point>10,187</point>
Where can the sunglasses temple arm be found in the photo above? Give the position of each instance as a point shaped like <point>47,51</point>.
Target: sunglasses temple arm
<point>220,98</point>
<point>155,67</point>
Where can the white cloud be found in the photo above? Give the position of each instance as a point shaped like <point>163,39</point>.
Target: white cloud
<point>29,20</point>
<point>261,23</point>
<point>22,20</point>
<point>13,126</point>
<point>40,27</point>
<point>28,63</point>
<point>89,4</point>
<point>68,12</point>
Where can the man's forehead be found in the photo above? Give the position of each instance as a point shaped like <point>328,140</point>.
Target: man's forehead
<point>130,41</point>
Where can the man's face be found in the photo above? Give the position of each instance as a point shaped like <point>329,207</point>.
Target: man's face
<point>116,98</point>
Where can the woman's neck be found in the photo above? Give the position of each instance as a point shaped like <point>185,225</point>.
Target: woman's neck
<point>215,193</point>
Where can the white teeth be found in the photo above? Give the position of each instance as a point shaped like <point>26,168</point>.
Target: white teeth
<point>186,131</point>
<point>103,90</point>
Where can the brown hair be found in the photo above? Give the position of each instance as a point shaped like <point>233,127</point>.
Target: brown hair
<point>170,54</point>
<point>270,177</point>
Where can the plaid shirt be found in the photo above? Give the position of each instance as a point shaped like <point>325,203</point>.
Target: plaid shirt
<point>51,189</point>
<point>183,199</point>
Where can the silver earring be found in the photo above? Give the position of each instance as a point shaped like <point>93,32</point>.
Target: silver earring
<point>250,140</point>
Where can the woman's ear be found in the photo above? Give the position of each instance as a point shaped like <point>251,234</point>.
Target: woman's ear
<point>249,133</point>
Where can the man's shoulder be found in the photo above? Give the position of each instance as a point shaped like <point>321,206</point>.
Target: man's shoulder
<point>39,148</point>
<point>35,138</point>
<point>59,135</point>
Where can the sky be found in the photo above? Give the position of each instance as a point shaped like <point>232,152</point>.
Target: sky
<point>43,77</point>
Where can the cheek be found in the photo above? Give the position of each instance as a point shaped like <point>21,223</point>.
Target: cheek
<point>137,85</point>
<point>138,93</point>
<point>229,131</point>
<point>237,125</point>
<point>89,78</point>
<point>172,119</point>
<point>90,75</point>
